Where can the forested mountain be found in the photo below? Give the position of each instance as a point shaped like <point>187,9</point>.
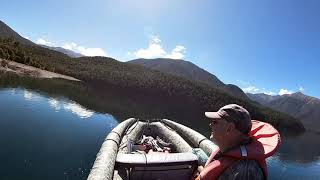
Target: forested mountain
<point>300,106</point>
<point>7,32</point>
<point>190,71</point>
<point>104,72</point>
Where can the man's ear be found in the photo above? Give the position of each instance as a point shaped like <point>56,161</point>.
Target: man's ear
<point>230,127</point>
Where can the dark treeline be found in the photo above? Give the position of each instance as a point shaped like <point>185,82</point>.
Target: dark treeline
<point>103,73</point>
<point>11,50</point>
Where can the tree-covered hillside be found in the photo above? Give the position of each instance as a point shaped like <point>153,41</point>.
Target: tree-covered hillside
<point>104,72</point>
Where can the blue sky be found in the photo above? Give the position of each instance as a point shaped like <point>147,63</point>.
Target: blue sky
<point>261,46</point>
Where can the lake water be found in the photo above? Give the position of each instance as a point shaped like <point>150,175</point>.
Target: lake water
<point>48,138</point>
<point>46,135</point>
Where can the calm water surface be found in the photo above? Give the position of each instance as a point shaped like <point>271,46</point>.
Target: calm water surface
<point>50,137</point>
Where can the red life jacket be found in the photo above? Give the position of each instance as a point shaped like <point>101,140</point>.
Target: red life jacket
<point>265,142</point>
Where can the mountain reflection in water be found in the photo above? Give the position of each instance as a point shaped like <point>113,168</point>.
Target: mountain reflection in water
<point>58,104</point>
<point>46,137</point>
<point>297,158</point>
<point>301,149</point>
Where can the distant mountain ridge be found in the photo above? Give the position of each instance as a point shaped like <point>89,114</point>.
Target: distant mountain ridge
<point>190,71</point>
<point>182,97</point>
<point>7,32</point>
<point>262,98</point>
<point>64,51</point>
<point>300,106</point>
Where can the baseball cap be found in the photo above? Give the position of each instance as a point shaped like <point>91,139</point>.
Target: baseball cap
<point>233,113</point>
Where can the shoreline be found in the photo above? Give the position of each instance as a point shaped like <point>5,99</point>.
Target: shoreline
<point>26,70</point>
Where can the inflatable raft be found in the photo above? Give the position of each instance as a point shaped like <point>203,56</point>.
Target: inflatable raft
<point>116,160</point>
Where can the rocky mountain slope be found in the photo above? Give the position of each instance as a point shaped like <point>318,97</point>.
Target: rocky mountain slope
<point>299,105</point>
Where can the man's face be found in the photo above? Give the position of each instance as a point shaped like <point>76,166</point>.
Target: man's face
<point>218,130</point>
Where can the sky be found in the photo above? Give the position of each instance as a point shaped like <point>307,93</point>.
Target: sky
<point>267,46</point>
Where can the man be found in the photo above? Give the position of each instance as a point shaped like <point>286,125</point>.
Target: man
<point>243,145</point>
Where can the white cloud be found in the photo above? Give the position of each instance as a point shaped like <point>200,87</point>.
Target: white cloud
<point>251,89</point>
<point>91,51</point>
<point>255,90</point>
<point>44,42</point>
<point>74,47</point>
<point>301,89</point>
<point>269,93</point>
<point>177,53</point>
<point>26,37</point>
<point>83,50</point>
<point>70,46</point>
<point>284,91</point>
<point>155,39</point>
<point>155,50</point>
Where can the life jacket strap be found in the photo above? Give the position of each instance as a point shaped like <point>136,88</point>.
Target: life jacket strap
<point>244,152</point>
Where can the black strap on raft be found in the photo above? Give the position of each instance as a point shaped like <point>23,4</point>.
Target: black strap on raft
<point>116,133</point>
<point>201,141</point>
<point>167,126</point>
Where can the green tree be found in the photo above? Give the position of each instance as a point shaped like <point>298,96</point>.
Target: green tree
<point>16,44</point>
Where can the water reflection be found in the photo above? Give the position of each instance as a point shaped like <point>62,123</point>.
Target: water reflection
<point>55,104</point>
<point>297,158</point>
<point>301,149</point>
<point>72,107</point>
<point>27,95</point>
<point>78,110</point>
<point>279,169</point>
<point>38,143</point>
<point>13,91</point>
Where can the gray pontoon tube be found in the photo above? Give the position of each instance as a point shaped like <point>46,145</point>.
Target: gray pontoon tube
<point>197,139</point>
<point>103,167</point>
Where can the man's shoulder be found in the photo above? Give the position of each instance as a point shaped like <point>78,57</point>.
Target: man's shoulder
<point>243,169</point>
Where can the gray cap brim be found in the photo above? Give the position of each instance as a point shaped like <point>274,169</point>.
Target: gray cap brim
<point>214,115</point>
